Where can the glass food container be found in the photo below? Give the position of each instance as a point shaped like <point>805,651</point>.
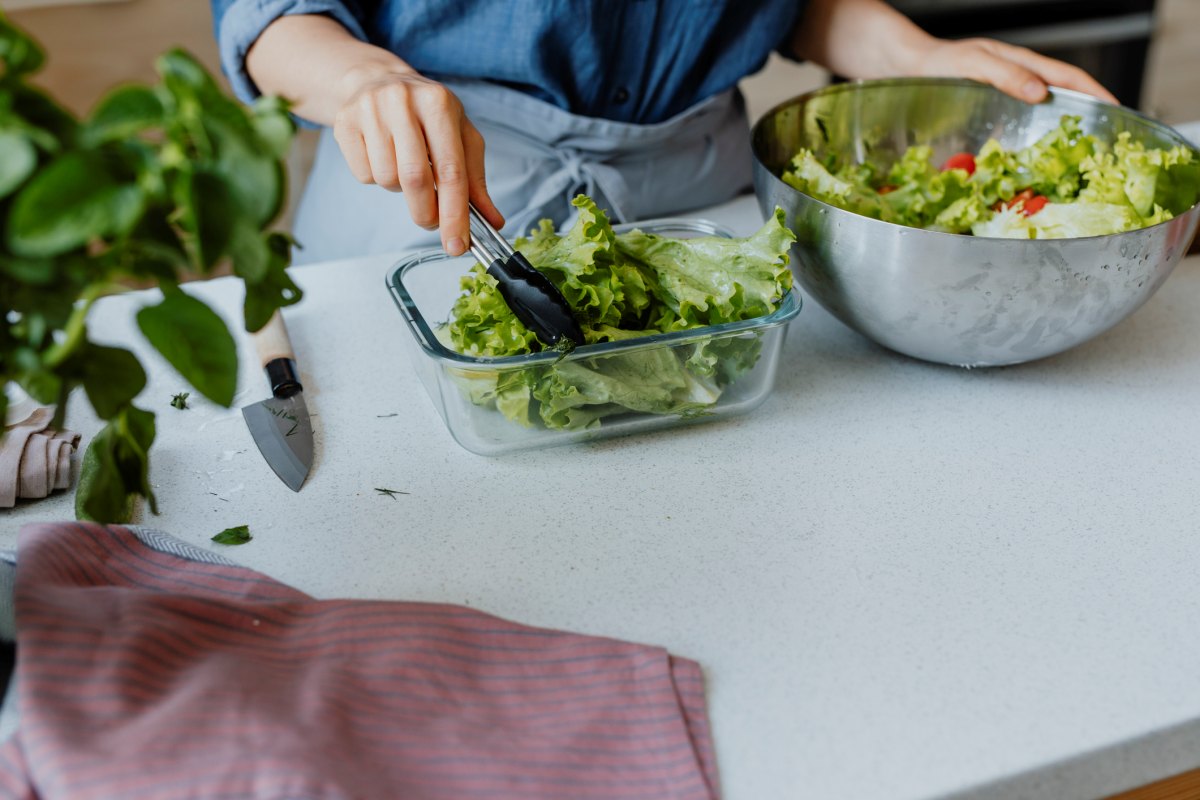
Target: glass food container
<point>693,376</point>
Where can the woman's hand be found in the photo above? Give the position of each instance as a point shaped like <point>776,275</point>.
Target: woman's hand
<point>406,133</point>
<point>395,127</point>
<point>870,39</point>
<point>1018,71</point>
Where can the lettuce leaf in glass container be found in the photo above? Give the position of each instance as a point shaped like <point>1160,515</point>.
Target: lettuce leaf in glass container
<point>623,286</point>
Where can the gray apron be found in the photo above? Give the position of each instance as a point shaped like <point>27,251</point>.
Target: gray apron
<point>538,158</point>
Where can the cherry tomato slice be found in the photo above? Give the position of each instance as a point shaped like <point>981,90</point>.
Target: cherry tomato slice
<point>1034,205</point>
<point>1020,197</point>
<point>964,161</point>
<point>888,189</point>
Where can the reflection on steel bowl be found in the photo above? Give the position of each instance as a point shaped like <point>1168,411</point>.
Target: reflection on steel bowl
<point>949,298</point>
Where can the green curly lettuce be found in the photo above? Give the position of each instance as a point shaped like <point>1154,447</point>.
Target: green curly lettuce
<point>1090,188</point>
<point>621,287</point>
<point>1060,221</point>
<point>1144,179</point>
<point>812,177</point>
<point>1051,165</point>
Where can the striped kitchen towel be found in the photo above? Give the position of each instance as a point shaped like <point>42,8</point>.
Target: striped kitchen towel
<point>147,668</point>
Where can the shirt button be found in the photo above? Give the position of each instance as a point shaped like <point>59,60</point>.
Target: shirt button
<point>621,95</point>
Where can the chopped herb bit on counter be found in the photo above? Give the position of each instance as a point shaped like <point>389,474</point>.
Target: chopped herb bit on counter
<point>391,492</point>
<point>180,400</point>
<point>236,535</point>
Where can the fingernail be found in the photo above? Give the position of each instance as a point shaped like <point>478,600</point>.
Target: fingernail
<point>1034,90</point>
<point>456,246</point>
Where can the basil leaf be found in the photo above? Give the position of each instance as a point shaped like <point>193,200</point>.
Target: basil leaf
<point>42,385</point>
<point>251,253</point>
<point>208,210</point>
<point>236,535</point>
<point>276,290</point>
<point>112,377</point>
<point>100,494</point>
<point>154,246</point>
<point>115,467</point>
<point>254,177</point>
<point>70,202</point>
<point>273,124</point>
<point>35,272</point>
<point>39,111</point>
<point>18,53</point>
<point>126,112</point>
<point>195,341</point>
<point>20,158</point>
<point>180,70</point>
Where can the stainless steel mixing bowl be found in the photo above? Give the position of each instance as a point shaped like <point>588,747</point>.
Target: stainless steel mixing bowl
<point>948,298</point>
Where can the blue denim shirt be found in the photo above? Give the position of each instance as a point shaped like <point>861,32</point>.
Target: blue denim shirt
<point>640,61</point>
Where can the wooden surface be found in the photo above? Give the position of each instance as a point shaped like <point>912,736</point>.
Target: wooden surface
<point>1180,787</point>
<point>95,46</point>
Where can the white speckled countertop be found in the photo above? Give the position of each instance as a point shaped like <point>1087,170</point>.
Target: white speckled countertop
<point>903,580</point>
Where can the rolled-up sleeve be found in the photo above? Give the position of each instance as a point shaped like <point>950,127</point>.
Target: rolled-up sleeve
<point>239,23</point>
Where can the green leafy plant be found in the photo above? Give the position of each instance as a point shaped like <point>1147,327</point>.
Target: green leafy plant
<point>157,184</point>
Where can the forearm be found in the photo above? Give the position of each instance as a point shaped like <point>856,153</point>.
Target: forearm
<point>316,64</point>
<point>858,38</point>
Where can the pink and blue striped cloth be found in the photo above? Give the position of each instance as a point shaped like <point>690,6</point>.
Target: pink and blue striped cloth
<point>147,668</point>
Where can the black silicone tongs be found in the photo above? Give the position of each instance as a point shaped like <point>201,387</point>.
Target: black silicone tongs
<point>532,297</point>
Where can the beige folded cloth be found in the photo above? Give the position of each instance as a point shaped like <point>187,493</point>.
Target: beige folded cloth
<point>34,461</point>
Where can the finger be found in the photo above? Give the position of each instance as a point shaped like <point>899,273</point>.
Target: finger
<point>983,64</point>
<point>473,147</point>
<point>381,154</point>
<point>1057,73</point>
<point>441,119</point>
<point>354,150</point>
<point>412,168</point>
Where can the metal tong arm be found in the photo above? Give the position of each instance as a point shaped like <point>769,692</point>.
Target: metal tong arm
<point>486,242</point>
<point>530,294</point>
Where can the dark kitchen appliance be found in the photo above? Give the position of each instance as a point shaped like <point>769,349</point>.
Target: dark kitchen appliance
<point>1108,38</point>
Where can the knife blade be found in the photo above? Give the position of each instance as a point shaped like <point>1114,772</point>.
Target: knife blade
<point>280,425</point>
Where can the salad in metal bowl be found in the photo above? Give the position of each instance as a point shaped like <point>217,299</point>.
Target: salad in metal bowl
<point>1067,184</point>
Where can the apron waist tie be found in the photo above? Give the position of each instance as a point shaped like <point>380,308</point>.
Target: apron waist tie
<point>578,172</point>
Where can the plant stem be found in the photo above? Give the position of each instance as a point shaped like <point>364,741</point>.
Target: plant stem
<point>75,329</point>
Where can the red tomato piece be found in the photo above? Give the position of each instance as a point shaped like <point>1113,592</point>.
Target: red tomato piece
<point>964,161</point>
<point>1034,205</point>
<point>888,189</point>
<point>1020,197</point>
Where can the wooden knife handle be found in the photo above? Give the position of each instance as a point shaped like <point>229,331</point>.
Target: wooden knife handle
<point>273,342</point>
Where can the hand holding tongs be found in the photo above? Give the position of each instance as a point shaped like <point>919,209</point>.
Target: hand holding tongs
<point>530,294</point>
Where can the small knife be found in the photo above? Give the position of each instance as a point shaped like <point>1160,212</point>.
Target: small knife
<point>280,424</point>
